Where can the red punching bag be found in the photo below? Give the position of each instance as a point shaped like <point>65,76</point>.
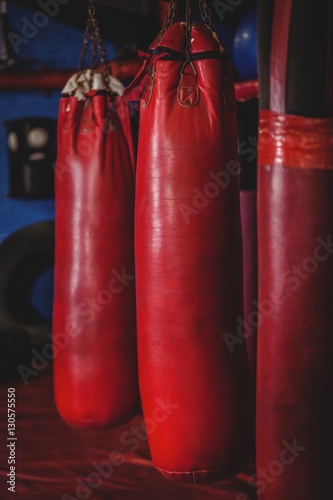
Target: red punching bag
<point>95,373</point>
<point>295,227</point>
<point>196,393</point>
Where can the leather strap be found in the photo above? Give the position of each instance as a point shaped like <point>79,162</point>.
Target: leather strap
<point>188,89</point>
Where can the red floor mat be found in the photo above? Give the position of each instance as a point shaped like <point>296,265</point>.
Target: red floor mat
<point>52,459</point>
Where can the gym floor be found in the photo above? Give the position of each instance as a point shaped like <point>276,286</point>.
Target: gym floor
<point>57,461</point>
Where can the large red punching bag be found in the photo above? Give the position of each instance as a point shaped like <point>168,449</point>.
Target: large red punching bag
<point>196,392</point>
<point>95,372</point>
<point>295,227</point>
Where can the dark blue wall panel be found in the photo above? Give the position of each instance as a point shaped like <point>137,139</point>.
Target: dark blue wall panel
<point>54,45</point>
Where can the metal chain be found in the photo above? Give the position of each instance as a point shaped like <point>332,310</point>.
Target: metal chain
<point>85,42</point>
<point>206,14</point>
<point>100,47</point>
<point>188,27</point>
<point>170,18</point>
<point>93,34</point>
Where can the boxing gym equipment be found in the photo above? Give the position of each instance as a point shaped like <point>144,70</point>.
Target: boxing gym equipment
<point>15,350</point>
<point>41,294</point>
<point>95,374</point>
<point>189,256</point>
<point>295,370</point>
<point>31,152</point>
<point>24,256</point>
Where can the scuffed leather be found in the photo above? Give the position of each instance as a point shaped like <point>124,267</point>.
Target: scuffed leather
<point>189,275</point>
<point>95,374</point>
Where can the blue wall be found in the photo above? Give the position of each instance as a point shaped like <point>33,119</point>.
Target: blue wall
<point>54,45</point>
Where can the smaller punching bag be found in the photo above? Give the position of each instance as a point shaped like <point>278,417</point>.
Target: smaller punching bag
<point>196,391</point>
<point>95,367</point>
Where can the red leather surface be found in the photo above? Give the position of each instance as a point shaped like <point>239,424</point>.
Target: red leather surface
<point>248,201</point>
<point>203,39</point>
<point>94,310</point>
<point>189,274</point>
<point>295,369</point>
<point>51,458</point>
<point>295,342</point>
<point>295,141</point>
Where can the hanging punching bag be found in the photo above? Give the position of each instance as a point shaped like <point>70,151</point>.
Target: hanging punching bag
<point>195,386</point>
<point>95,368</point>
<point>295,208</point>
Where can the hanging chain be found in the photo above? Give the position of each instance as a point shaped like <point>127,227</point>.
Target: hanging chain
<point>93,34</point>
<point>205,11</point>
<point>170,18</point>
<point>206,14</point>
<point>100,47</point>
<point>188,27</point>
<point>85,41</point>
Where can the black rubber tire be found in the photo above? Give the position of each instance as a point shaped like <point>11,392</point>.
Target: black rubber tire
<point>23,256</point>
<point>15,350</point>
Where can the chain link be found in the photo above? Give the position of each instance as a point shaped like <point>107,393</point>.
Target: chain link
<point>206,14</point>
<point>188,27</point>
<point>85,42</point>
<point>170,18</point>
<point>92,33</point>
<point>94,37</point>
<point>102,51</point>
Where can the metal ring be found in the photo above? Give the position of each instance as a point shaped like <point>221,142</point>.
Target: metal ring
<point>186,63</point>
